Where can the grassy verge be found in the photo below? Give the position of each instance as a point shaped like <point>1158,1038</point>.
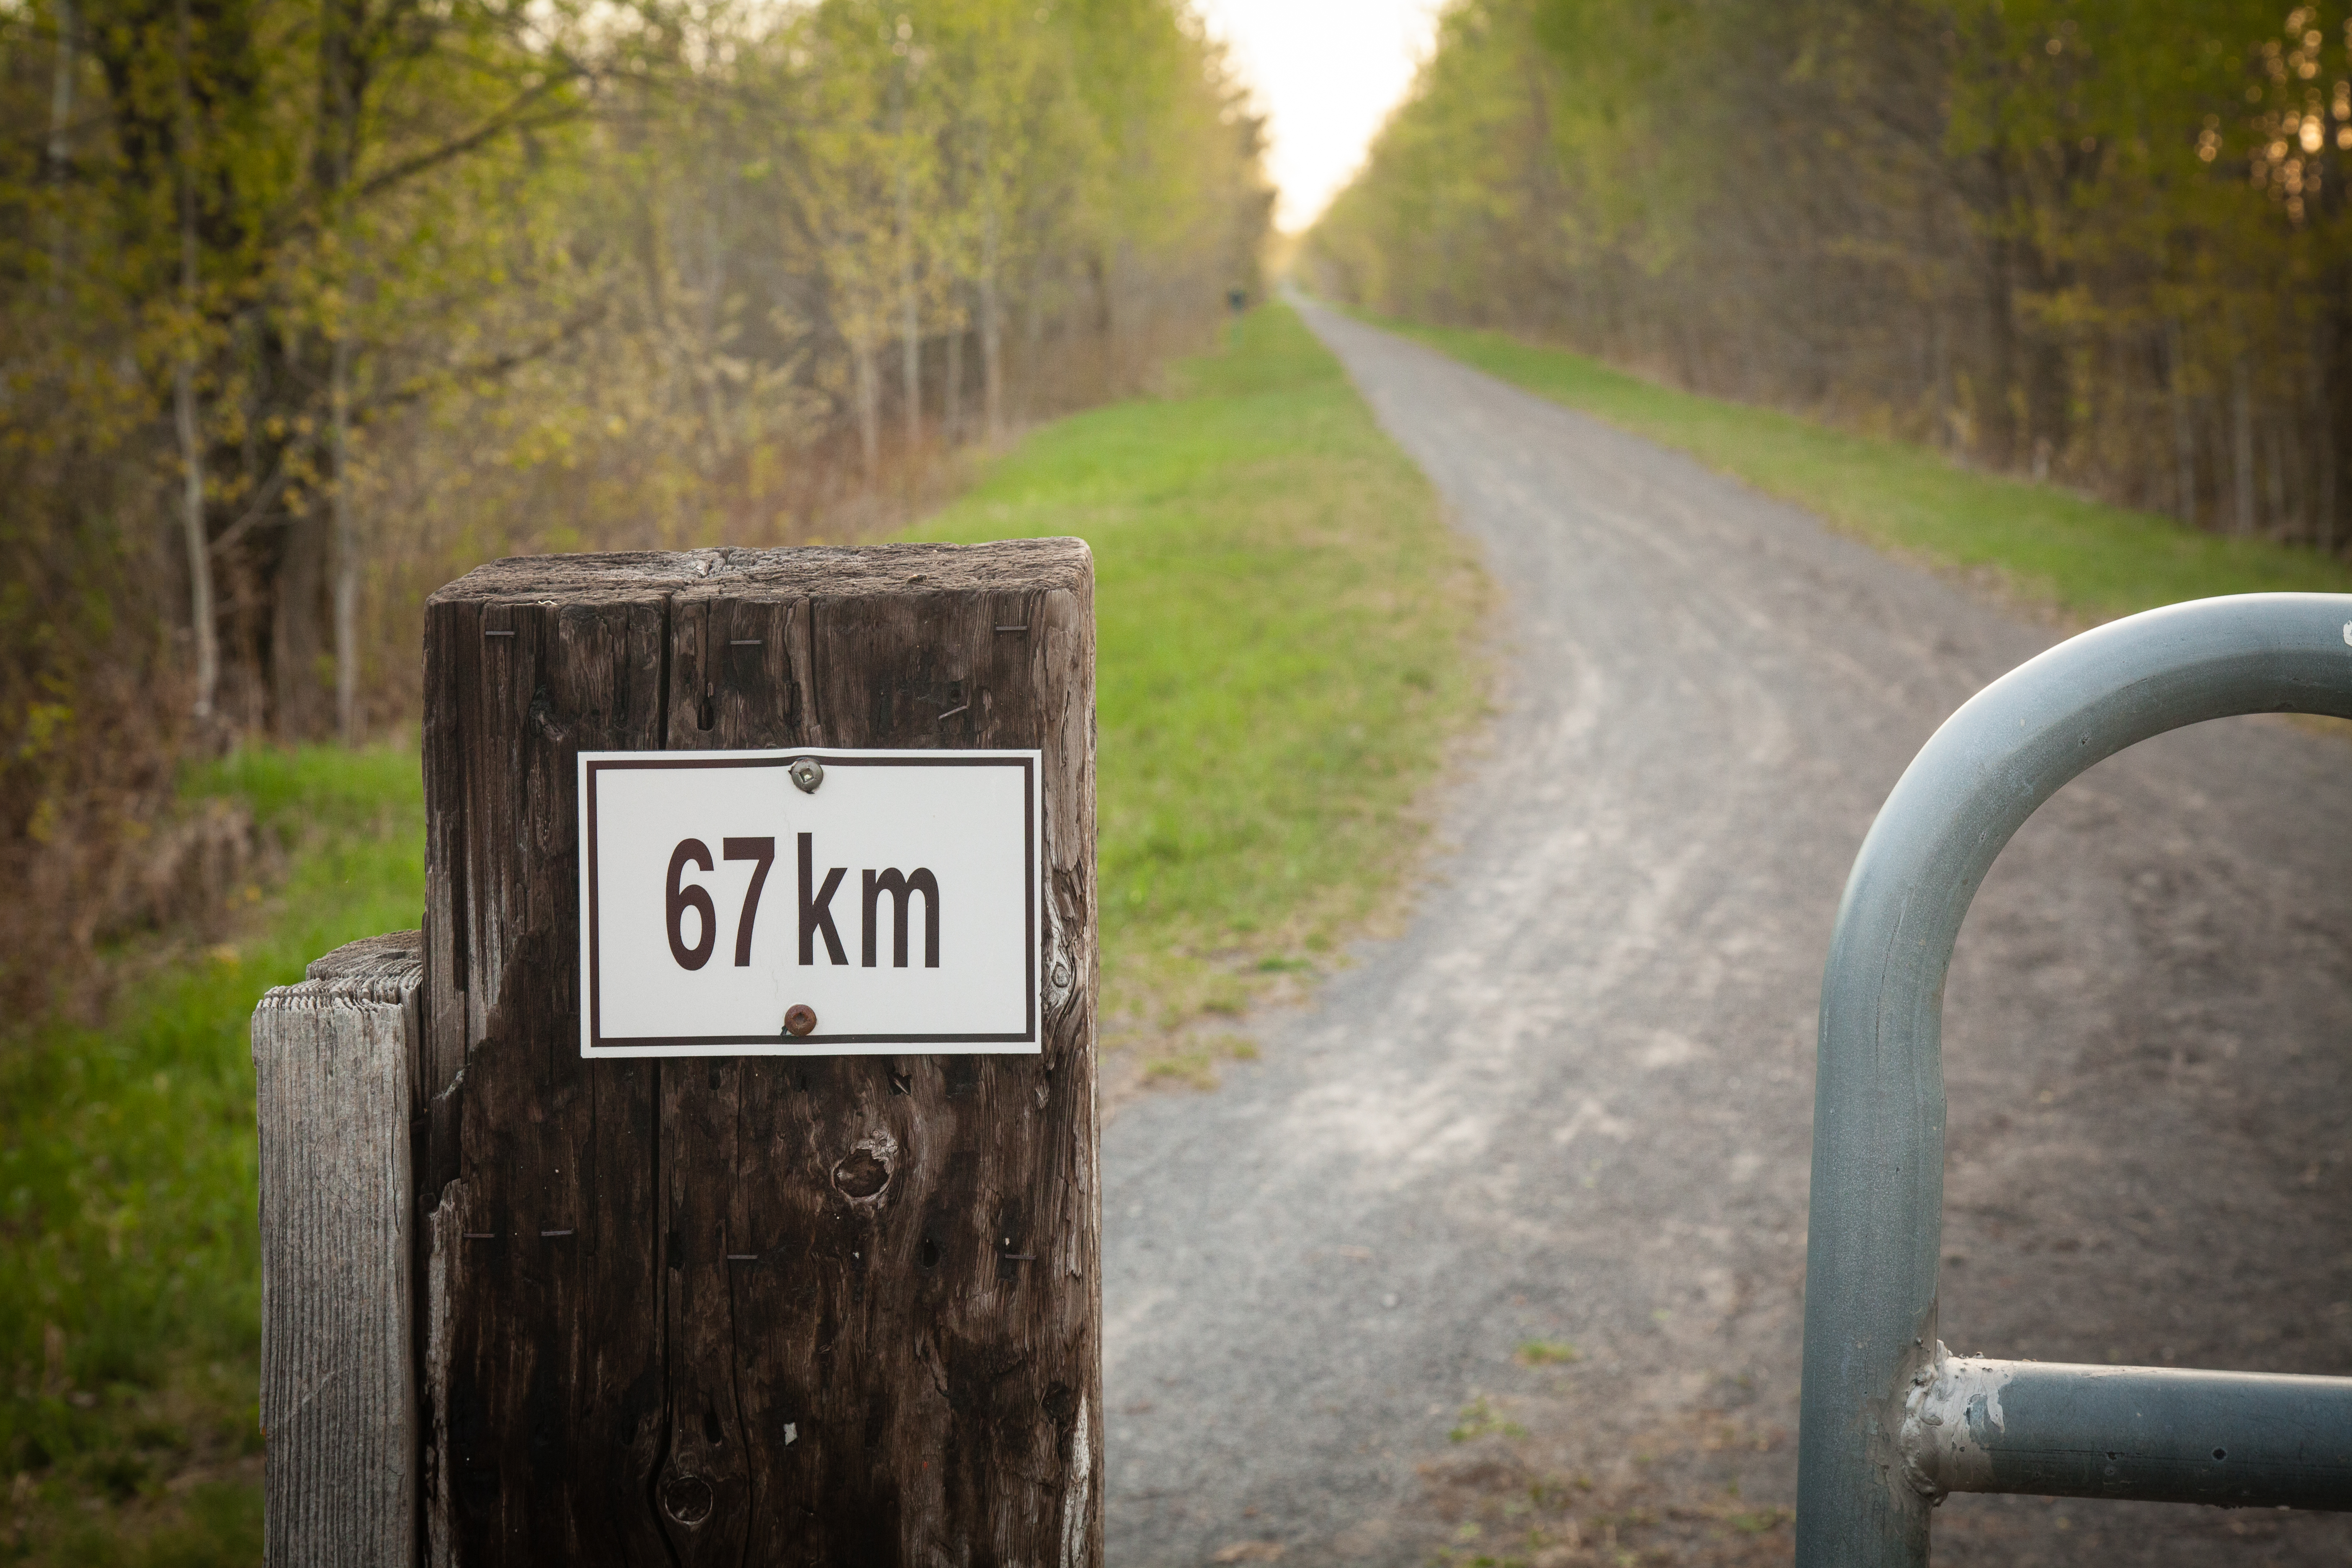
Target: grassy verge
<point>1282,617</point>
<point>129,1322</point>
<point>2088,560</point>
<point>1283,620</point>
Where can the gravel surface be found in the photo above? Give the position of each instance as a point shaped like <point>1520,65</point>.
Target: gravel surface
<point>1572,1103</point>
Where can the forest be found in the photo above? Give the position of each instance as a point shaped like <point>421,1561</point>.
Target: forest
<point>308,306</point>
<point>2102,244</point>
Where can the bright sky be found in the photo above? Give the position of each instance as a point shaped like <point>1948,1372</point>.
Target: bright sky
<point>1327,72</point>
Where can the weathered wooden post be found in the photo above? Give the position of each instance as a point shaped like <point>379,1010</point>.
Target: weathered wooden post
<point>336,1062</point>
<point>770,1233</point>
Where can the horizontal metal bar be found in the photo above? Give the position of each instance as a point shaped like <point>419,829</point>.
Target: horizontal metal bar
<point>2237,1439</point>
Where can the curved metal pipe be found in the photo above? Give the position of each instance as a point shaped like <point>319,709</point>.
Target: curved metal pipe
<point>1876,1224</point>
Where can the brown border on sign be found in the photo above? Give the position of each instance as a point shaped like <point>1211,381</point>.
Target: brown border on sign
<point>686,1044</point>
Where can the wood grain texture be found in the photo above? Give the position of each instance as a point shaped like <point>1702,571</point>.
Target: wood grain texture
<point>397,958</point>
<point>335,1061</point>
<point>836,1310</point>
<point>545,1385</point>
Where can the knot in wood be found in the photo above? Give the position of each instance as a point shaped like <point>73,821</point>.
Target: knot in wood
<point>863,1175</point>
<point>688,1500</point>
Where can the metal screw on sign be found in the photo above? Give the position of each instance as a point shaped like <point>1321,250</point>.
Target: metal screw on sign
<point>807,772</point>
<point>800,1019</point>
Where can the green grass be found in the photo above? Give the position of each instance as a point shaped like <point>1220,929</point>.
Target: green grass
<point>1283,620</point>
<point>130,1325</point>
<point>1480,1419</point>
<point>2088,560</point>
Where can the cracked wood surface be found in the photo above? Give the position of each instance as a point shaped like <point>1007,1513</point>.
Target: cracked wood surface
<point>334,1061</point>
<point>787,1310</point>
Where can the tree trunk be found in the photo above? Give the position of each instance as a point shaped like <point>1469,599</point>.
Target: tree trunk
<point>184,418</point>
<point>911,343</point>
<point>298,593</point>
<point>991,330</point>
<point>344,70</point>
<point>1997,414</point>
<point>2049,402</point>
<point>61,93</point>
<point>1939,375</point>
<point>1033,346</point>
<point>869,407</point>
<point>2324,428</point>
<point>952,394</point>
<point>347,549</point>
<point>2276,471</point>
<point>61,145</point>
<point>192,530</point>
<point>2242,442</point>
<point>2184,434</point>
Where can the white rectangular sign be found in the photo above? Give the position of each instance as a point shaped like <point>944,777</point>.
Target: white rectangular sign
<point>726,910</point>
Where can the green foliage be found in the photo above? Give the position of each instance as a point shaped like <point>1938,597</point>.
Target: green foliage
<point>1281,617</point>
<point>306,307</point>
<point>2091,561</point>
<point>2091,240</point>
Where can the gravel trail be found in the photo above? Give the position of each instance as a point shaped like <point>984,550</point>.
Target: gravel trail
<point>1572,1102</point>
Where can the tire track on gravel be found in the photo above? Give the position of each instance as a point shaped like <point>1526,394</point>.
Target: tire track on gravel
<point>1573,1100</point>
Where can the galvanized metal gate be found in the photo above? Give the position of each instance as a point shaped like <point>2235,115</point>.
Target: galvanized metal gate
<point>1891,1421</point>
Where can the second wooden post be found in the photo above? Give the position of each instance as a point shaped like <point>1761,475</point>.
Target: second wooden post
<point>777,1300</point>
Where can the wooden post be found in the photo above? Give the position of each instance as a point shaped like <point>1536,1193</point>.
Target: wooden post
<point>825,1310</point>
<point>335,1060</point>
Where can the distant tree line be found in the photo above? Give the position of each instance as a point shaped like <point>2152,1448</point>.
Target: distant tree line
<point>2105,243</point>
<point>308,305</point>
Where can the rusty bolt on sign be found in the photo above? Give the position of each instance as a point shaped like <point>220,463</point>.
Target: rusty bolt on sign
<point>800,1019</point>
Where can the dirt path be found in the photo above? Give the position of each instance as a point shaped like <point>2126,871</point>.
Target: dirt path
<point>1572,1103</point>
